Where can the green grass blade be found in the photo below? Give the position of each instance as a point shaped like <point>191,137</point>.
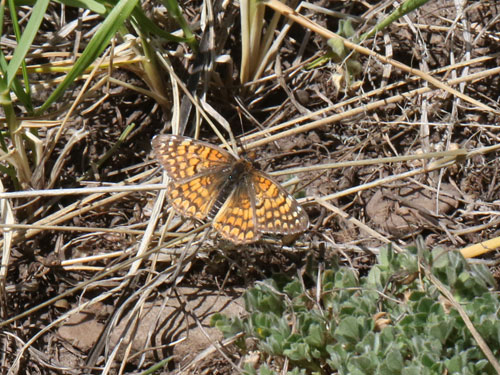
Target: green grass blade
<point>147,26</point>
<point>109,153</point>
<point>175,12</point>
<point>23,93</point>
<point>96,46</point>
<point>3,61</point>
<point>93,6</point>
<point>16,85</point>
<point>405,8</point>
<point>26,40</point>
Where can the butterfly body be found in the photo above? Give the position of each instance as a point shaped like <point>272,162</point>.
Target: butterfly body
<point>230,177</point>
<point>210,183</point>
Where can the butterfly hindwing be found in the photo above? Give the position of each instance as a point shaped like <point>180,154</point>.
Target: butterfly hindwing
<point>235,220</point>
<point>195,197</point>
<point>276,211</point>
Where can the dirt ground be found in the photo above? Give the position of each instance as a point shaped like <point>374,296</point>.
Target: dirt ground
<point>127,314</point>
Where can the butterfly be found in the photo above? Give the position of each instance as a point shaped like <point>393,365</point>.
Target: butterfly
<point>207,182</point>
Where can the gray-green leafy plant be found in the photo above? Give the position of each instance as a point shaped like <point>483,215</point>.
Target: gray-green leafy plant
<point>394,320</point>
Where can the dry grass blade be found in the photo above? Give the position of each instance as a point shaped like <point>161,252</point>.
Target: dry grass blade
<point>443,163</point>
<point>481,248</point>
<point>447,294</point>
<point>356,222</point>
<point>75,209</point>
<point>269,137</point>
<point>288,12</point>
<point>6,217</point>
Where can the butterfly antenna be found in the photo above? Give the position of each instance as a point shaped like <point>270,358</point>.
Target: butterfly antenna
<point>234,142</point>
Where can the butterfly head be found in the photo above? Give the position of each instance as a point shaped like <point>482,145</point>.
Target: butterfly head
<point>240,168</point>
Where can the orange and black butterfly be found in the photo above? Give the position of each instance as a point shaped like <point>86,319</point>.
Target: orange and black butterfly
<point>210,183</point>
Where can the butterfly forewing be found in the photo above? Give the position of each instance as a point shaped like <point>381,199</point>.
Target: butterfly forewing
<point>276,210</point>
<point>197,170</point>
<point>184,158</point>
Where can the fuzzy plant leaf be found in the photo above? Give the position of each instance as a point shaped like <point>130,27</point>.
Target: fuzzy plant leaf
<point>391,321</point>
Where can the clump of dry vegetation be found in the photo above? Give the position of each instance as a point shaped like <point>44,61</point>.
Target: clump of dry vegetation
<point>384,120</point>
